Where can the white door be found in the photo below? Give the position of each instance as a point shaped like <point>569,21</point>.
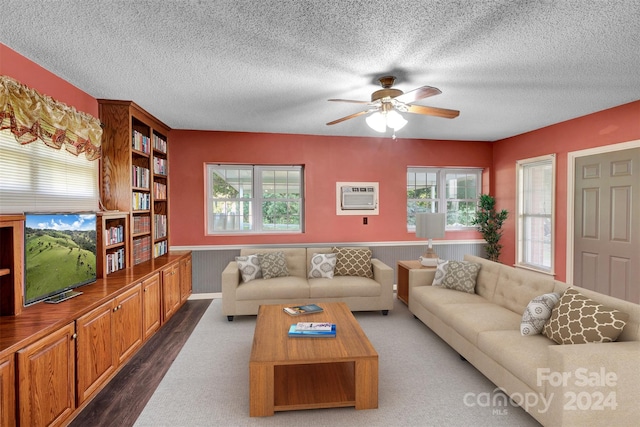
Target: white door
<point>607,224</point>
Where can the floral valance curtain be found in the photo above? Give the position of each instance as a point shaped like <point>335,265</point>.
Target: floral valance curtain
<point>31,116</point>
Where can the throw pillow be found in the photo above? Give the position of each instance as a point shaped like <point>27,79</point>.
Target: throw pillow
<point>249,266</point>
<point>577,319</point>
<point>537,313</point>
<point>461,276</point>
<point>273,264</point>
<point>322,265</point>
<point>353,262</point>
<point>441,271</point>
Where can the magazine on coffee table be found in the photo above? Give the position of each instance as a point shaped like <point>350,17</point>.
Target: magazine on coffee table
<point>297,310</point>
<point>294,332</point>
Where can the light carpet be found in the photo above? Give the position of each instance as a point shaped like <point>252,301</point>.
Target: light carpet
<point>422,381</point>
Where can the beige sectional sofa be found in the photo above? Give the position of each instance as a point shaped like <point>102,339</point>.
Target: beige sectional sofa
<point>592,384</point>
<point>359,293</point>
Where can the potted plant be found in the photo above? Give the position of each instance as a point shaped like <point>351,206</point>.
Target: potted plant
<point>489,222</point>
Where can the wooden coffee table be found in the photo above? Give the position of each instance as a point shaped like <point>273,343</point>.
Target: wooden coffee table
<point>307,373</point>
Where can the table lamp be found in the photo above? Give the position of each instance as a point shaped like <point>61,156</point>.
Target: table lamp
<point>430,226</point>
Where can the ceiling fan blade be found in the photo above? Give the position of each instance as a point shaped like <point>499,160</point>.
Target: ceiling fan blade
<point>349,100</point>
<point>418,94</point>
<point>349,117</point>
<point>433,111</point>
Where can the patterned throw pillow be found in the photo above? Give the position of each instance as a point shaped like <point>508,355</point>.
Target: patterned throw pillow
<point>537,313</point>
<point>577,319</point>
<point>322,265</point>
<point>353,262</point>
<point>441,271</point>
<point>249,267</point>
<point>461,276</point>
<point>273,264</point>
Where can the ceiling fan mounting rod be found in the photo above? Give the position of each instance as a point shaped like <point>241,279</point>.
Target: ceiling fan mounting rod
<point>386,82</point>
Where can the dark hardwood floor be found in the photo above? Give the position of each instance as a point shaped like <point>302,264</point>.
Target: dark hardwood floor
<point>123,399</point>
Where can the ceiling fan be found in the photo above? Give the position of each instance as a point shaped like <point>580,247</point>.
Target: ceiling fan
<point>386,102</point>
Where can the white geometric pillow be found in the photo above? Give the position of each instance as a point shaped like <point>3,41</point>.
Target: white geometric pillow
<point>249,266</point>
<point>441,271</point>
<point>322,265</point>
<point>537,313</point>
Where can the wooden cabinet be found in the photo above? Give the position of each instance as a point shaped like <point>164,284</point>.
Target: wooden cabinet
<point>127,316</point>
<point>46,379</point>
<point>96,360</point>
<point>113,242</point>
<point>185,278</point>
<point>170,291</point>
<point>7,391</point>
<point>135,175</point>
<point>11,259</point>
<point>152,314</point>
<point>107,337</point>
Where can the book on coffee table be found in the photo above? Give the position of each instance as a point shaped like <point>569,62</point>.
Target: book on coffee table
<point>294,332</point>
<point>297,310</point>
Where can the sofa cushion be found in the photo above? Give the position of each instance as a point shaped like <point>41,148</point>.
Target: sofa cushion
<point>273,264</point>
<point>461,276</point>
<point>436,298</point>
<point>344,286</point>
<point>487,276</point>
<point>537,313</point>
<point>470,319</point>
<point>353,262</point>
<point>280,288</point>
<point>520,355</point>
<point>249,267</point>
<point>517,287</point>
<point>322,265</point>
<point>577,319</point>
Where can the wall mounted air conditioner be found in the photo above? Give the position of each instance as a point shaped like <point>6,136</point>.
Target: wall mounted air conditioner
<point>358,198</point>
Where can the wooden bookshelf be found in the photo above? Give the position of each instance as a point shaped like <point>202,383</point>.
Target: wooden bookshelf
<point>135,176</point>
<point>11,266</point>
<point>113,242</point>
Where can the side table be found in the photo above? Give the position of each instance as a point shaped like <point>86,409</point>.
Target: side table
<point>403,277</point>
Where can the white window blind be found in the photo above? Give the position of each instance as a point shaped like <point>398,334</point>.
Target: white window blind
<point>38,178</point>
<point>536,212</point>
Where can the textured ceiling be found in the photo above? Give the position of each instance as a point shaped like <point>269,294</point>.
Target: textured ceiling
<point>270,66</point>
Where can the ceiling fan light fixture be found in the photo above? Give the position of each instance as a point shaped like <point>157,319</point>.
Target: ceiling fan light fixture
<point>377,122</point>
<point>395,120</point>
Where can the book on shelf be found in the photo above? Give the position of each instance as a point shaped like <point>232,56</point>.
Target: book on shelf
<point>313,333</point>
<point>297,310</point>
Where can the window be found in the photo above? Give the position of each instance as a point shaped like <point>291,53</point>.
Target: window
<point>451,191</point>
<point>254,199</point>
<point>535,210</point>
<point>38,178</point>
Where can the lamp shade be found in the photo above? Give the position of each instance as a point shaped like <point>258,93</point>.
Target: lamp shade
<point>430,225</point>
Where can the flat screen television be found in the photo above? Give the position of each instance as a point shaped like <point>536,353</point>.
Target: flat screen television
<point>60,255</point>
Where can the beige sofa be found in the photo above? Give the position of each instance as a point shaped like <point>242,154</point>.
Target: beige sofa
<point>596,384</point>
<point>359,293</point>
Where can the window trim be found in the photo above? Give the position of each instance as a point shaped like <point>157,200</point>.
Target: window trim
<point>520,242</point>
<point>441,185</point>
<point>256,199</point>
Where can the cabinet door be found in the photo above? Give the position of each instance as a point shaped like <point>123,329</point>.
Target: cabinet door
<point>170,291</point>
<point>94,350</point>
<point>185,278</point>
<point>46,379</point>
<point>151,305</point>
<point>127,317</point>
<point>7,391</point>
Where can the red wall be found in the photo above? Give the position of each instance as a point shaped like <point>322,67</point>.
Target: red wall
<point>615,125</point>
<point>327,160</point>
<point>29,73</point>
